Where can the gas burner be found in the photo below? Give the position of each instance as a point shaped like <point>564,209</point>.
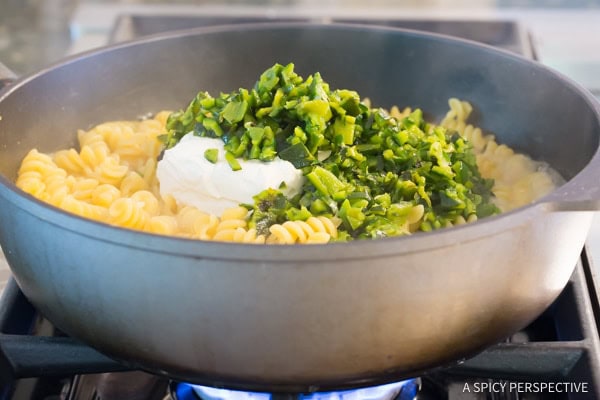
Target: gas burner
<point>404,390</point>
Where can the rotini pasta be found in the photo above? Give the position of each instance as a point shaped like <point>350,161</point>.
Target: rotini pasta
<point>112,179</point>
<point>132,182</point>
<point>128,213</point>
<point>313,230</point>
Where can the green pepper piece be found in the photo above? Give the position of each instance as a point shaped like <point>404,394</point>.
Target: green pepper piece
<point>234,111</point>
<point>344,127</point>
<point>325,182</point>
<point>268,79</point>
<point>232,161</point>
<point>318,207</point>
<point>352,216</point>
<point>212,126</point>
<point>318,108</point>
<point>295,214</point>
<point>211,155</point>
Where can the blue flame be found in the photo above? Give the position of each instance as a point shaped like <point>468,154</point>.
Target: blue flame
<point>398,390</point>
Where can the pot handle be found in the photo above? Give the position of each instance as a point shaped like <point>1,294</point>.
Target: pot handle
<point>26,356</point>
<point>6,76</point>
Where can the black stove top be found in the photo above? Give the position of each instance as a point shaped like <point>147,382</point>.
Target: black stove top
<point>556,357</point>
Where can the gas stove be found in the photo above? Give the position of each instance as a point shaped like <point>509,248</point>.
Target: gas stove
<point>556,357</point>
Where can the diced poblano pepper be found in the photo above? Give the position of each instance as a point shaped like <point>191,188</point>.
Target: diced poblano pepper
<point>211,155</point>
<point>344,127</point>
<point>232,161</point>
<point>325,181</point>
<point>234,111</point>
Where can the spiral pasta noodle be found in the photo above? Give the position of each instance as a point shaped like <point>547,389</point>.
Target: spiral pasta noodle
<point>313,230</point>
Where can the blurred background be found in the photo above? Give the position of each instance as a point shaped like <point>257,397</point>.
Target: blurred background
<point>35,33</point>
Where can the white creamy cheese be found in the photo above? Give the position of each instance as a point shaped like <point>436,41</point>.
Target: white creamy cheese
<point>191,179</point>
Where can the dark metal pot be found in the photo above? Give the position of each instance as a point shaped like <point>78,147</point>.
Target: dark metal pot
<point>296,316</point>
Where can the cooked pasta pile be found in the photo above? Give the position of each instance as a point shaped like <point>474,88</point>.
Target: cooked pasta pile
<point>112,179</point>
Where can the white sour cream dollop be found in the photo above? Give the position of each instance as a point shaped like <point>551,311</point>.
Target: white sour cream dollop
<point>191,179</point>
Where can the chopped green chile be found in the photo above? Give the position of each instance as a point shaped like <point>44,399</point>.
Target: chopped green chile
<point>211,155</point>
<point>232,161</point>
<point>376,170</point>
